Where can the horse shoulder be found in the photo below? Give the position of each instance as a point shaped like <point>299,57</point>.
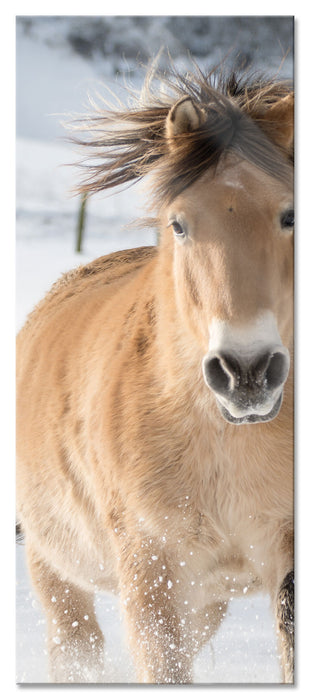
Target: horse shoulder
<point>56,375</point>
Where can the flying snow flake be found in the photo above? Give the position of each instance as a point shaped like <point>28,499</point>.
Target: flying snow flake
<point>56,640</point>
<point>169,584</point>
<point>75,623</point>
<point>53,599</point>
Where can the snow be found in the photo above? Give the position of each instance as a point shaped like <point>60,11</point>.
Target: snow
<point>53,80</point>
<point>47,221</point>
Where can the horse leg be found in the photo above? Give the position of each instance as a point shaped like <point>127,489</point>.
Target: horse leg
<point>75,641</point>
<point>164,640</point>
<point>285,623</point>
<point>157,635</point>
<point>158,644</point>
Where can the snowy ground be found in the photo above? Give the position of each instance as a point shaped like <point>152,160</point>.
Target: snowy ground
<point>244,649</point>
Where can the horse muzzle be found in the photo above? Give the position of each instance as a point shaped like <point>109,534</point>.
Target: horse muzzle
<point>247,390</point>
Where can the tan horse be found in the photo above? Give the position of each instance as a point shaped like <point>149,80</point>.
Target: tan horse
<point>155,398</point>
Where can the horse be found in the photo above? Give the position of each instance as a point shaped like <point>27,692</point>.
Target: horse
<point>155,386</point>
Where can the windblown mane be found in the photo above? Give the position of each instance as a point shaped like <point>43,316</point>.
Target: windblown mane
<point>129,142</point>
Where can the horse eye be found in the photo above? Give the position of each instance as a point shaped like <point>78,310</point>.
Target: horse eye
<point>177,229</point>
<point>287,219</point>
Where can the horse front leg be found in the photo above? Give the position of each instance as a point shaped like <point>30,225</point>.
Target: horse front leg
<point>157,634</point>
<point>75,641</point>
<point>285,623</point>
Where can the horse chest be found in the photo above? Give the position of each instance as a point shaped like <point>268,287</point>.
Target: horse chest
<point>212,511</point>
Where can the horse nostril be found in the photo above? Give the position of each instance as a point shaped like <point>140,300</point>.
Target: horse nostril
<point>258,371</point>
<point>277,370</point>
<point>225,375</point>
<point>221,374</point>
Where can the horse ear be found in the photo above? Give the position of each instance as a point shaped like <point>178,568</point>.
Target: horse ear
<point>278,122</point>
<point>185,116</point>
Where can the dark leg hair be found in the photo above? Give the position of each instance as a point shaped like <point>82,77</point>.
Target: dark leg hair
<point>285,620</point>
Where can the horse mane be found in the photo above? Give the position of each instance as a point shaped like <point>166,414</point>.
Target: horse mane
<point>128,142</point>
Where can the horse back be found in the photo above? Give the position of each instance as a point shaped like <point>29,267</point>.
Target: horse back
<point>98,274</point>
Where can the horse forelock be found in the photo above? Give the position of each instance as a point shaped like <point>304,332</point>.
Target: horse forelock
<point>129,143</point>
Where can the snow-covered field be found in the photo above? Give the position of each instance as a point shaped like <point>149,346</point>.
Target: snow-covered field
<point>53,79</point>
